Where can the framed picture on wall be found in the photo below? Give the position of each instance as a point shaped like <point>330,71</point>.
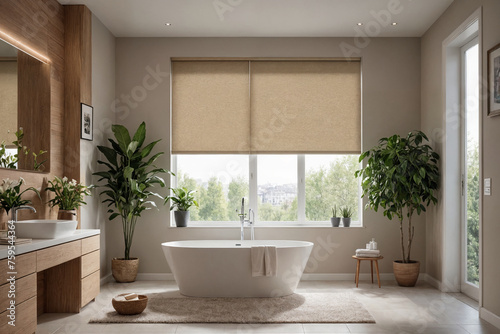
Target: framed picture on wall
<point>494,81</point>
<point>87,120</point>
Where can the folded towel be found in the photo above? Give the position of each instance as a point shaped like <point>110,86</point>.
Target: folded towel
<point>368,251</point>
<point>366,255</point>
<point>264,260</point>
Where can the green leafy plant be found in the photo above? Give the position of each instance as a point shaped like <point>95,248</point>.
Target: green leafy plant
<point>7,160</point>
<point>10,194</point>
<point>334,211</point>
<point>68,194</point>
<point>11,160</point>
<point>38,166</point>
<point>182,199</point>
<point>346,212</point>
<point>401,176</point>
<point>129,178</point>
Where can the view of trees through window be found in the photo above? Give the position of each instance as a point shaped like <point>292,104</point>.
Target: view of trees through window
<point>473,214</point>
<point>221,181</point>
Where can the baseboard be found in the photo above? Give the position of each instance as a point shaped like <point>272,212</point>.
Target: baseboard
<point>305,277</point>
<point>490,317</point>
<point>434,282</point>
<point>106,279</point>
<point>155,277</point>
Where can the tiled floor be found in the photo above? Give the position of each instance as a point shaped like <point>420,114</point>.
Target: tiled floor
<point>422,309</point>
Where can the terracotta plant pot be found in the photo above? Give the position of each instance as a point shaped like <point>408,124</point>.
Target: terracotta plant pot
<point>66,215</point>
<point>406,273</point>
<point>124,271</point>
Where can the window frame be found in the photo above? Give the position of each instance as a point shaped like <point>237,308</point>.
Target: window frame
<point>253,200</point>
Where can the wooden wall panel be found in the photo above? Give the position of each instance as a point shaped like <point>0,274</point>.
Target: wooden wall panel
<point>62,34</point>
<point>78,85</point>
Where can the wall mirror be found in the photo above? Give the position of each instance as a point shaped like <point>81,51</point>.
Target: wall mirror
<point>24,111</point>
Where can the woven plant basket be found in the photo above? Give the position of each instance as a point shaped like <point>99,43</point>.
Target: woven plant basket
<point>124,271</point>
<point>406,273</point>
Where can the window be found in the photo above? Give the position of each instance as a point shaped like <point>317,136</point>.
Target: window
<point>284,133</point>
<point>330,181</point>
<point>289,189</point>
<point>277,188</point>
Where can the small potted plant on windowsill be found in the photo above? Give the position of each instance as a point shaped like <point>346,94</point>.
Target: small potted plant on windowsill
<point>68,196</point>
<point>182,199</point>
<point>335,220</point>
<point>346,213</point>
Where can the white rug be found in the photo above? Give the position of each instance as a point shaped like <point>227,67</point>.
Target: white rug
<point>296,308</point>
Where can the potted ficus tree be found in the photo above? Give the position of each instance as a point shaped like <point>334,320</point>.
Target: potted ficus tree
<point>182,199</point>
<point>401,176</point>
<point>128,182</point>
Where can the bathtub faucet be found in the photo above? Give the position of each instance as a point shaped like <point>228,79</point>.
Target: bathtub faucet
<point>249,221</point>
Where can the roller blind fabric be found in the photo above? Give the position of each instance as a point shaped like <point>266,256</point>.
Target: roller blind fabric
<point>289,107</point>
<point>210,107</point>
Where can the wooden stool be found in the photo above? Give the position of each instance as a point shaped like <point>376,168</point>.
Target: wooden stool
<point>371,259</point>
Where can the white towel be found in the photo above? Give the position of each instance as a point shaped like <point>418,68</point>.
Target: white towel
<point>264,261</point>
<point>367,252</point>
<point>367,255</point>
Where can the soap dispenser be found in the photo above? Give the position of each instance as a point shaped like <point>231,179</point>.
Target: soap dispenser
<point>373,244</point>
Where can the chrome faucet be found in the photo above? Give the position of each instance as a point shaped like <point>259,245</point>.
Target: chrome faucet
<point>17,208</point>
<point>250,222</point>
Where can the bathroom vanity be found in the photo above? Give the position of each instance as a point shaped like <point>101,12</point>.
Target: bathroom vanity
<point>51,276</point>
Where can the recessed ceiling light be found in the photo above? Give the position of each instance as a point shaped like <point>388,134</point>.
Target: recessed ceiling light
<point>360,23</point>
<point>394,23</point>
<point>168,24</point>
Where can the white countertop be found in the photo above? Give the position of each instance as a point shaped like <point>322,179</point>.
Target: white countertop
<point>37,244</point>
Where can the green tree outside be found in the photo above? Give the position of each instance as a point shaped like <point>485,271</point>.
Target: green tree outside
<point>473,214</point>
<point>326,187</point>
<point>238,188</point>
<point>335,185</point>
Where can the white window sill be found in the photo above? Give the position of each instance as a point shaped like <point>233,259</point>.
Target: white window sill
<point>232,225</point>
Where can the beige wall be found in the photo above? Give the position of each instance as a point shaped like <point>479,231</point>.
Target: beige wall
<point>391,104</point>
<point>433,122</point>
<point>93,215</point>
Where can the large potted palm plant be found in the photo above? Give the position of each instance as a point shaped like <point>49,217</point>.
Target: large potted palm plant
<point>128,183</point>
<point>401,176</point>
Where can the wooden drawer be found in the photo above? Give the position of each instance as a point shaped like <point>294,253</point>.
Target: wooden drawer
<point>24,290</point>
<point>25,265</point>
<point>90,287</point>
<point>25,319</point>
<point>90,263</point>
<point>53,256</point>
<point>90,244</point>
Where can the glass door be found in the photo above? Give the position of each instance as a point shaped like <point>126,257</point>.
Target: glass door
<point>470,169</point>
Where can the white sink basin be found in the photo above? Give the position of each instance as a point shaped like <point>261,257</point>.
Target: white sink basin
<point>45,229</point>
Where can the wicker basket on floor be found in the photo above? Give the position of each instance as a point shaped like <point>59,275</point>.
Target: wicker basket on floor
<point>130,307</point>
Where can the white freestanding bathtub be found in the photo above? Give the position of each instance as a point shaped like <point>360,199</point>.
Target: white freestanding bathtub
<point>222,268</point>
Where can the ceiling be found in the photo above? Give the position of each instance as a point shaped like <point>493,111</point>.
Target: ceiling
<point>265,18</point>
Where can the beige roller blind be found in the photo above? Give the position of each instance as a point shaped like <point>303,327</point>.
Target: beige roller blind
<point>305,107</point>
<point>210,107</point>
